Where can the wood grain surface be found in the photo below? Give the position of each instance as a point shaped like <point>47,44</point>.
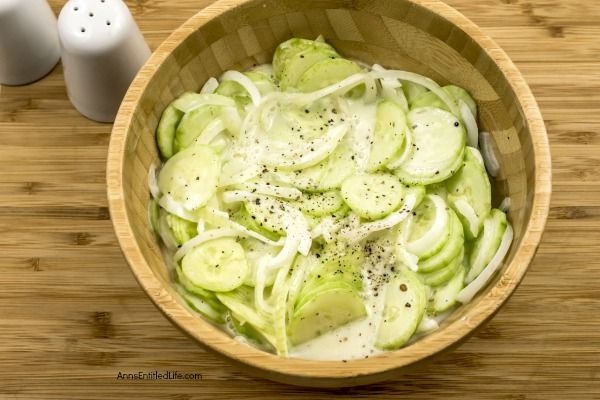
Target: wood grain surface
<point>72,316</point>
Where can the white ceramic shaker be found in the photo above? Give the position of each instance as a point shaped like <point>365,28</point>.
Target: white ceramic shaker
<point>102,50</point>
<point>29,46</point>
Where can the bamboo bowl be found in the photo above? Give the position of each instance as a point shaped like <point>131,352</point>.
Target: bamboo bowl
<point>424,36</point>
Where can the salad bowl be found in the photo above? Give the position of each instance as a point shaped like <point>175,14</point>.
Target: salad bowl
<point>427,37</point>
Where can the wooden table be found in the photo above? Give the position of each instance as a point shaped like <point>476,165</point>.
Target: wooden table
<point>72,316</point>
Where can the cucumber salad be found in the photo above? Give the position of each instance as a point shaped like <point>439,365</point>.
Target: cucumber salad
<point>320,208</point>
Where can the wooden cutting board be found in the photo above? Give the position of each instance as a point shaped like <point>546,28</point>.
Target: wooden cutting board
<point>72,317</point>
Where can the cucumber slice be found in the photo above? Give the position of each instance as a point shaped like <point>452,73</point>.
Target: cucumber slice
<point>389,135</point>
<point>450,250</point>
<point>412,90</point>
<point>404,307</point>
<point>248,331</point>
<point>300,62</point>
<point>372,196</point>
<point>324,311</point>
<point>165,132</point>
<point>471,185</point>
<point>265,211</point>
<point>262,79</point>
<point>329,173</point>
<point>443,275</point>
<point>487,243</point>
<point>218,265</point>
<point>326,72</point>
<point>286,50</point>
<point>458,94</point>
<point>206,295</point>
<point>319,204</point>
<point>154,213</point>
<point>192,124</point>
<point>444,297</point>
<point>182,229</point>
<point>427,229</point>
<point>243,217</point>
<point>255,250</point>
<point>428,99</point>
<point>190,176</point>
<point>438,147</point>
<point>200,305</point>
<point>235,91</point>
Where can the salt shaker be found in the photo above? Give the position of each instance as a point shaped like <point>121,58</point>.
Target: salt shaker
<point>102,51</point>
<point>29,46</point>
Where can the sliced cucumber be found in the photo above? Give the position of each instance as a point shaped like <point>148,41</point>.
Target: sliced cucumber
<point>444,297</point>
<point>430,99</point>
<point>412,90</point>
<point>154,213</point>
<point>404,307</point>
<point>255,250</point>
<point>326,72</point>
<point>443,275</point>
<point>487,243</point>
<point>235,91</point>
<point>471,185</point>
<point>450,250</point>
<point>427,229</point>
<point>206,295</point>
<point>165,132</point>
<point>438,147</point>
<point>192,124</point>
<point>243,217</point>
<point>190,176</point>
<point>300,62</point>
<point>324,311</point>
<point>329,173</point>
<point>266,212</point>
<point>286,50</point>
<point>389,135</point>
<point>182,229</point>
<point>319,204</point>
<point>373,196</point>
<point>219,265</point>
<point>200,305</point>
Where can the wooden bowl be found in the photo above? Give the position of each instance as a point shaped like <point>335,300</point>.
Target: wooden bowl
<point>424,36</point>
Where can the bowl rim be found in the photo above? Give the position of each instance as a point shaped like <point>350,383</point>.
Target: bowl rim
<point>314,372</point>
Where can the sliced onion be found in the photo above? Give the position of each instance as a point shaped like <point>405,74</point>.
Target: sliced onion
<point>231,119</point>
<point>196,100</point>
<point>476,154</point>
<point>489,157</point>
<point>246,83</point>
<point>440,223</point>
<point>389,89</point>
<point>168,203</point>
<point>390,221</point>
<point>201,238</point>
<point>465,209</point>
<point>421,80</point>
<point>478,283</point>
<point>201,227</point>
<point>305,156</point>
<point>210,86</point>
<point>218,217</point>
<point>406,257</point>
<point>152,182</point>
<point>505,205</point>
<point>470,122</point>
<point>370,90</point>
<point>301,99</point>
<point>427,325</point>
<point>213,128</point>
<point>289,193</point>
